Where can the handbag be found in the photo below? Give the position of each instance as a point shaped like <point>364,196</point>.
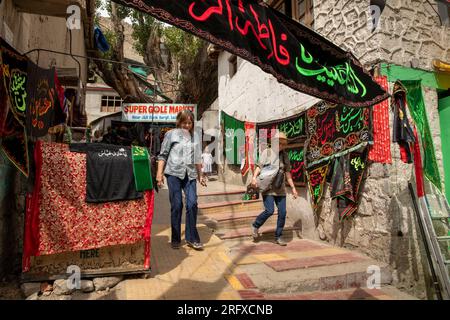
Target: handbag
<point>266,177</point>
<point>278,180</point>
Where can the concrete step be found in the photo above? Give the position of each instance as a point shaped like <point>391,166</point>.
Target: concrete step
<point>267,232</point>
<point>304,266</point>
<point>218,196</point>
<point>229,207</point>
<point>234,220</point>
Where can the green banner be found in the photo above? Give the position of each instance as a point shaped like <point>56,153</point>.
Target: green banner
<point>141,168</point>
<point>234,138</point>
<point>417,108</point>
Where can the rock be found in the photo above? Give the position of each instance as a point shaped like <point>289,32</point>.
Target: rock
<point>56,297</point>
<point>106,282</point>
<point>87,286</point>
<point>34,296</point>
<point>30,287</point>
<point>60,287</point>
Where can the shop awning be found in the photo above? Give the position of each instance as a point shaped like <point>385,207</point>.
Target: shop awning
<point>296,55</point>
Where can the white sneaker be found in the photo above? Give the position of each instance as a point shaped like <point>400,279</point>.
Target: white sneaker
<point>280,242</point>
<point>255,233</point>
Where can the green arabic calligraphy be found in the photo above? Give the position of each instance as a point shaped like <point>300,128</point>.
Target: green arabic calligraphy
<point>342,74</point>
<point>351,119</point>
<point>18,90</point>
<point>296,155</point>
<point>357,163</point>
<point>292,128</point>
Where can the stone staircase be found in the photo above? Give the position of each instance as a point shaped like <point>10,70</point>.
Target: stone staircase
<point>230,217</point>
<point>303,270</point>
<point>308,270</point>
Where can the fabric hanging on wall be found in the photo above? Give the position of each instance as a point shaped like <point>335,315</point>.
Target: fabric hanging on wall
<point>293,53</point>
<point>250,138</point>
<point>109,175</point>
<point>234,138</point>
<point>403,133</point>
<point>348,174</point>
<point>316,181</point>
<point>417,108</point>
<point>141,168</point>
<point>4,106</point>
<point>15,80</point>
<point>42,98</point>
<point>14,105</point>
<point>335,130</point>
<point>380,151</point>
<point>418,169</point>
<point>65,222</point>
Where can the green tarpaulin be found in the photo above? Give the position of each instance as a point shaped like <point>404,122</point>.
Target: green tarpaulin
<point>444,116</point>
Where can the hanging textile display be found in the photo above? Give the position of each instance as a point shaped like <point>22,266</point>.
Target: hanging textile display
<point>317,178</point>
<point>4,107</point>
<point>13,131</point>
<point>234,131</point>
<point>417,108</point>
<point>403,133</point>
<point>141,168</point>
<point>293,53</point>
<point>297,159</point>
<point>250,151</point>
<point>294,127</point>
<point>380,151</point>
<point>42,98</point>
<point>418,168</point>
<point>109,172</point>
<point>348,174</point>
<point>59,219</point>
<point>335,130</point>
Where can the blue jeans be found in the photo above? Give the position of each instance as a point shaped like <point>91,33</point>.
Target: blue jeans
<point>268,212</point>
<point>175,185</point>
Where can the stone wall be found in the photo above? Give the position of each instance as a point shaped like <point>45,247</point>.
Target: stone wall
<point>385,226</point>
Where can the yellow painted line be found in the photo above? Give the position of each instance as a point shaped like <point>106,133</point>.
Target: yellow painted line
<point>269,257</point>
<point>228,295</point>
<point>225,258</point>
<point>234,282</point>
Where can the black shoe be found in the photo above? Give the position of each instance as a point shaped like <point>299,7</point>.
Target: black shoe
<point>195,245</point>
<point>175,245</point>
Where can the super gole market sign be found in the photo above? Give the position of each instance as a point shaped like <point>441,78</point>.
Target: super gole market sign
<point>154,112</point>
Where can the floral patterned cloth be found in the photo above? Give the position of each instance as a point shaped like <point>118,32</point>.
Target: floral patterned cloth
<point>66,222</point>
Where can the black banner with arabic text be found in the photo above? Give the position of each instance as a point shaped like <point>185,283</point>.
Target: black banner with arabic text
<point>296,55</point>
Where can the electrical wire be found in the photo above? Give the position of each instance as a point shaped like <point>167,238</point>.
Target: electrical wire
<point>91,58</point>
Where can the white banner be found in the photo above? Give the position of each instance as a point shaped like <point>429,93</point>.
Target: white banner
<point>154,112</point>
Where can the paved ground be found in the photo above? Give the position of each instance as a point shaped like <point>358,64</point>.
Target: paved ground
<point>241,269</point>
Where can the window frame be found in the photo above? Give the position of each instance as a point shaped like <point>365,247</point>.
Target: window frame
<point>308,14</point>
<point>116,103</point>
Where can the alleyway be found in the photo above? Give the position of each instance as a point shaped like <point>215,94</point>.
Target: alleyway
<point>233,267</point>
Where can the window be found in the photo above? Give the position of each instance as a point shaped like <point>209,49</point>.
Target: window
<point>304,12</point>
<point>232,64</point>
<point>280,6</point>
<point>111,104</point>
